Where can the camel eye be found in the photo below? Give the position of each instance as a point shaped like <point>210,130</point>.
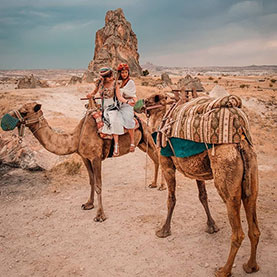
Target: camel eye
<point>23,113</point>
<point>157,98</point>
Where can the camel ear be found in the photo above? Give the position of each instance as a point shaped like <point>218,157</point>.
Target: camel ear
<point>37,107</point>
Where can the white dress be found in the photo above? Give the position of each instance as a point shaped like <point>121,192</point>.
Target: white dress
<point>122,118</point>
<point>127,111</point>
<point>113,123</point>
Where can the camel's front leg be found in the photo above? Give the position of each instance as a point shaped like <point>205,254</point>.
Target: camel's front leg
<point>169,174</point>
<point>96,165</point>
<point>211,226</point>
<point>90,203</point>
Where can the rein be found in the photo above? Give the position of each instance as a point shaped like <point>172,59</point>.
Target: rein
<point>26,123</point>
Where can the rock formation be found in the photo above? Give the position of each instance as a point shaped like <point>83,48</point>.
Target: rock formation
<point>166,79</point>
<point>88,77</point>
<point>189,83</point>
<point>218,91</point>
<point>116,43</point>
<point>74,80</point>
<point>31,82</point>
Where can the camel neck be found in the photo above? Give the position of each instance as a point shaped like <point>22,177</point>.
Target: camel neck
<point>57,143</point>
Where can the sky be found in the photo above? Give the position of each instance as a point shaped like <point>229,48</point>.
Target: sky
<point>61,33</point>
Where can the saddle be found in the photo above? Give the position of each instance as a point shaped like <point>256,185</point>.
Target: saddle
<point>206,120</point>
<point>97,115</point>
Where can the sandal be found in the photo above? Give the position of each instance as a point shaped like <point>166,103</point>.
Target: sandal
<point>116,150</point>
<point>132,147</point>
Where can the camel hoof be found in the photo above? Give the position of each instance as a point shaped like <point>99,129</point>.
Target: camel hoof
<point>162,187</point>
<point>163,233</point>
<point>100,218</point>
<point>87,206</point>
<point>152,186</point>
<point>212,229</point>
<point>251,269</point>
<point>221,273</point>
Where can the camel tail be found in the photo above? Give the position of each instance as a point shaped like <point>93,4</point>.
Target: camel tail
<point>249,163</point>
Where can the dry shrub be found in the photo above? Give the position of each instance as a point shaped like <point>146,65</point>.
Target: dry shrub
<point>210,78</point>
<point>244,86</point>
<point>72,167</point>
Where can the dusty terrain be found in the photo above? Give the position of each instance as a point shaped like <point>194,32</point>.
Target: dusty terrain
<point>44,232</point>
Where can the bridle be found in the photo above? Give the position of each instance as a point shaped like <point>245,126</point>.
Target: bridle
<point>27,122</point>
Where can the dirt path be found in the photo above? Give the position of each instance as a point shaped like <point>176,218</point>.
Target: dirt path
<point>44,232</point>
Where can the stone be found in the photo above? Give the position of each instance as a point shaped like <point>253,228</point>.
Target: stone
<point>190,83</point>
<point>31,82</point>
<point>88,77</point>
<point>74,80</point>
<point>116,43</point>
<point>165,78</point>
<point>218,91</point>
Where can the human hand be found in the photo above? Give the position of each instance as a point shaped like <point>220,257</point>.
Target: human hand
<point>131,102</point>
<point>89,95</point>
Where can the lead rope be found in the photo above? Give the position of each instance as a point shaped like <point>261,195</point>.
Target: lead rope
<point>146,153</point>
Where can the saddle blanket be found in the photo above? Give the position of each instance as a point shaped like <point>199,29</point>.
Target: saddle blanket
<point>182,148</point>
<point>207,120</point>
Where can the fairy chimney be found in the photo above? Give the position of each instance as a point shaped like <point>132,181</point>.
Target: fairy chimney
<point>116,43</point>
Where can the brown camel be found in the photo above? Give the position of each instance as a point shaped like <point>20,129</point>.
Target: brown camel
<point>85,141</point>
<point>228,166</point>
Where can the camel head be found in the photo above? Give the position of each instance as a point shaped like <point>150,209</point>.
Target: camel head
<point>156,103</point>
<point>27,115</point>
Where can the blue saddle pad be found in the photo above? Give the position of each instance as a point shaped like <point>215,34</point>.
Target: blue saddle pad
<point>182,147</point>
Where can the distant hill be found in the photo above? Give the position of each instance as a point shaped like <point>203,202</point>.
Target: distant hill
<point>212,70</point>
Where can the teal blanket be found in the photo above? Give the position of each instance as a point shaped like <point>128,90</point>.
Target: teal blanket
<point>182,147</point>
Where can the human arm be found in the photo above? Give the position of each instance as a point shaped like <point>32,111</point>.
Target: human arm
<point>97,85</point>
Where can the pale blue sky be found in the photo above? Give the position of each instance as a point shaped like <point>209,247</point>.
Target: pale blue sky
<point>61,33</point>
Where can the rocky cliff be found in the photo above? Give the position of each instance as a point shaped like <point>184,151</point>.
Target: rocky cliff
<point>116,43</point>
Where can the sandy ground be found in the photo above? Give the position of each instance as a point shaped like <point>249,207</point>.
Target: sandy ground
<point>44,232</point>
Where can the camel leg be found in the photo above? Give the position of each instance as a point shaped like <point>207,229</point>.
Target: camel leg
<point>89,205</point>
<point>211,226</point>
<point>227,166</point>
<point>253,233</point>
<point>233,208</point>
<point>162,186</point>
<point>96,165</point>
<point>153,155</point>
<point>169,171</point>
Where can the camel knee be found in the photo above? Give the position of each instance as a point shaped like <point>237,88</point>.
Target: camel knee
<point>255,235</point>
<point>237,239</point>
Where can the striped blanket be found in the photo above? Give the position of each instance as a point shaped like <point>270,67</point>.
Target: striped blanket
<point>207,120</point>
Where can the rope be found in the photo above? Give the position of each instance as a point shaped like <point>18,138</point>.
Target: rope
<point>146,155</point>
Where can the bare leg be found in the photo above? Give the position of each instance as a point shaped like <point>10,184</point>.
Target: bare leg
<point>211,226</point>
<point>169,171</point>
<point>100,216</point>
<point>132,137</point>
<point>116,146</point>
<point>89,205</point>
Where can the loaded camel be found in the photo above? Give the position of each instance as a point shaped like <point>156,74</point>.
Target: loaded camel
<point>85,141</point>
<point>227,164</point>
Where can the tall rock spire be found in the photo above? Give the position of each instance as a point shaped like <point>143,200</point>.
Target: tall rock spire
<point>116,43</point>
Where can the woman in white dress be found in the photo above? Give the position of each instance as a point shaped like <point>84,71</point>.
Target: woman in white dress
<point>110,95</point>
<point>127,89</point>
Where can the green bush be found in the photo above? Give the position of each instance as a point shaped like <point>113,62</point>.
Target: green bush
<point>145,72</point>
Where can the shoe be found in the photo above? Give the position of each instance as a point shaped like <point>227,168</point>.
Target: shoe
<point>116,150</point>
<point>132,147</point>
